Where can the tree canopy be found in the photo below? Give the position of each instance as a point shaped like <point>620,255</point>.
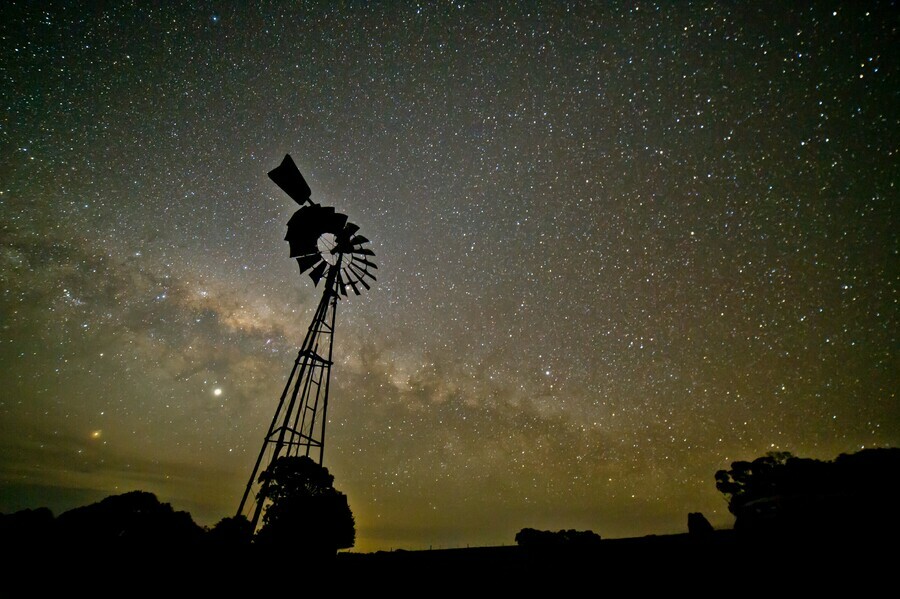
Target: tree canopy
<point>306,512</point>
<point>134,518</point>
<point>781,492</point>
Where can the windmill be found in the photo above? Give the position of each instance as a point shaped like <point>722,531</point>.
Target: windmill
<point>327,246</point>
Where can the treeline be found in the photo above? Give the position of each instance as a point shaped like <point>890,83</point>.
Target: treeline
<point>852,496</point>
<point>132,521</point>
<point>305,515</point>
<point>779,495</point>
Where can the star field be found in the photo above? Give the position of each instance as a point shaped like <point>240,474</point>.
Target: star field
<point>620,246</point>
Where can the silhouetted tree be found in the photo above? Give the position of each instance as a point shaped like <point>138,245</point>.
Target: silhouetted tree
<point>306,512</point>
<point>781,493</point>
<point>231,533</point>
<point>26,528</point>
<point>136,520</point>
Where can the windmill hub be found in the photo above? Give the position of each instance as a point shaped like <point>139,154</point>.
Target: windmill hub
<point>327,246</point>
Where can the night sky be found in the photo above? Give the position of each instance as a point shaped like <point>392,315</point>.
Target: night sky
<point>620,246</point>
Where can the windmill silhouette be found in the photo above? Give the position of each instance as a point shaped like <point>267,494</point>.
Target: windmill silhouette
<point>325,244</point>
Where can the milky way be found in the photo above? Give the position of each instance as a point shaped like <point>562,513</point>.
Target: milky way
<point>620,246</point>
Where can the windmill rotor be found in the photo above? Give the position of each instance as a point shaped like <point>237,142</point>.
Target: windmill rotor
<point>322,239</point>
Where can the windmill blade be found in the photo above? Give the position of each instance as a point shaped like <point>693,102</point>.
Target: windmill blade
<point>357,271</point>
<point>335,222</point>
<point>360,274</point>
<point>364,252</point>
<point>352,284</point>
<point>307,262</point>
<point>305,254</point>
<point>287,176</point>
<point>317,272</point>
<point>359,239</point>
<point>346,233</point>
<point>303,229</point>
<point>364,261</point>
<point>343,287</point>
<point>300,247</point>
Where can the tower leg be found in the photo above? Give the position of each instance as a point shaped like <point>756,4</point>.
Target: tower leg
<point>298,427</point>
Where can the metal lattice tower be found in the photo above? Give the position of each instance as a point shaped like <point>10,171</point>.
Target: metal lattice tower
<point>322,240</point>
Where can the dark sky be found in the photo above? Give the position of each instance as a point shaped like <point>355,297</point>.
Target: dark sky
<point>620,246</point>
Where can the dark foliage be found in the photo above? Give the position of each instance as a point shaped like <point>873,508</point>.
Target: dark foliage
<point>131,520</point>
<point>781,493</point>
<point>26,527</point>
<point>235,532</point>
<point>306,513</point>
